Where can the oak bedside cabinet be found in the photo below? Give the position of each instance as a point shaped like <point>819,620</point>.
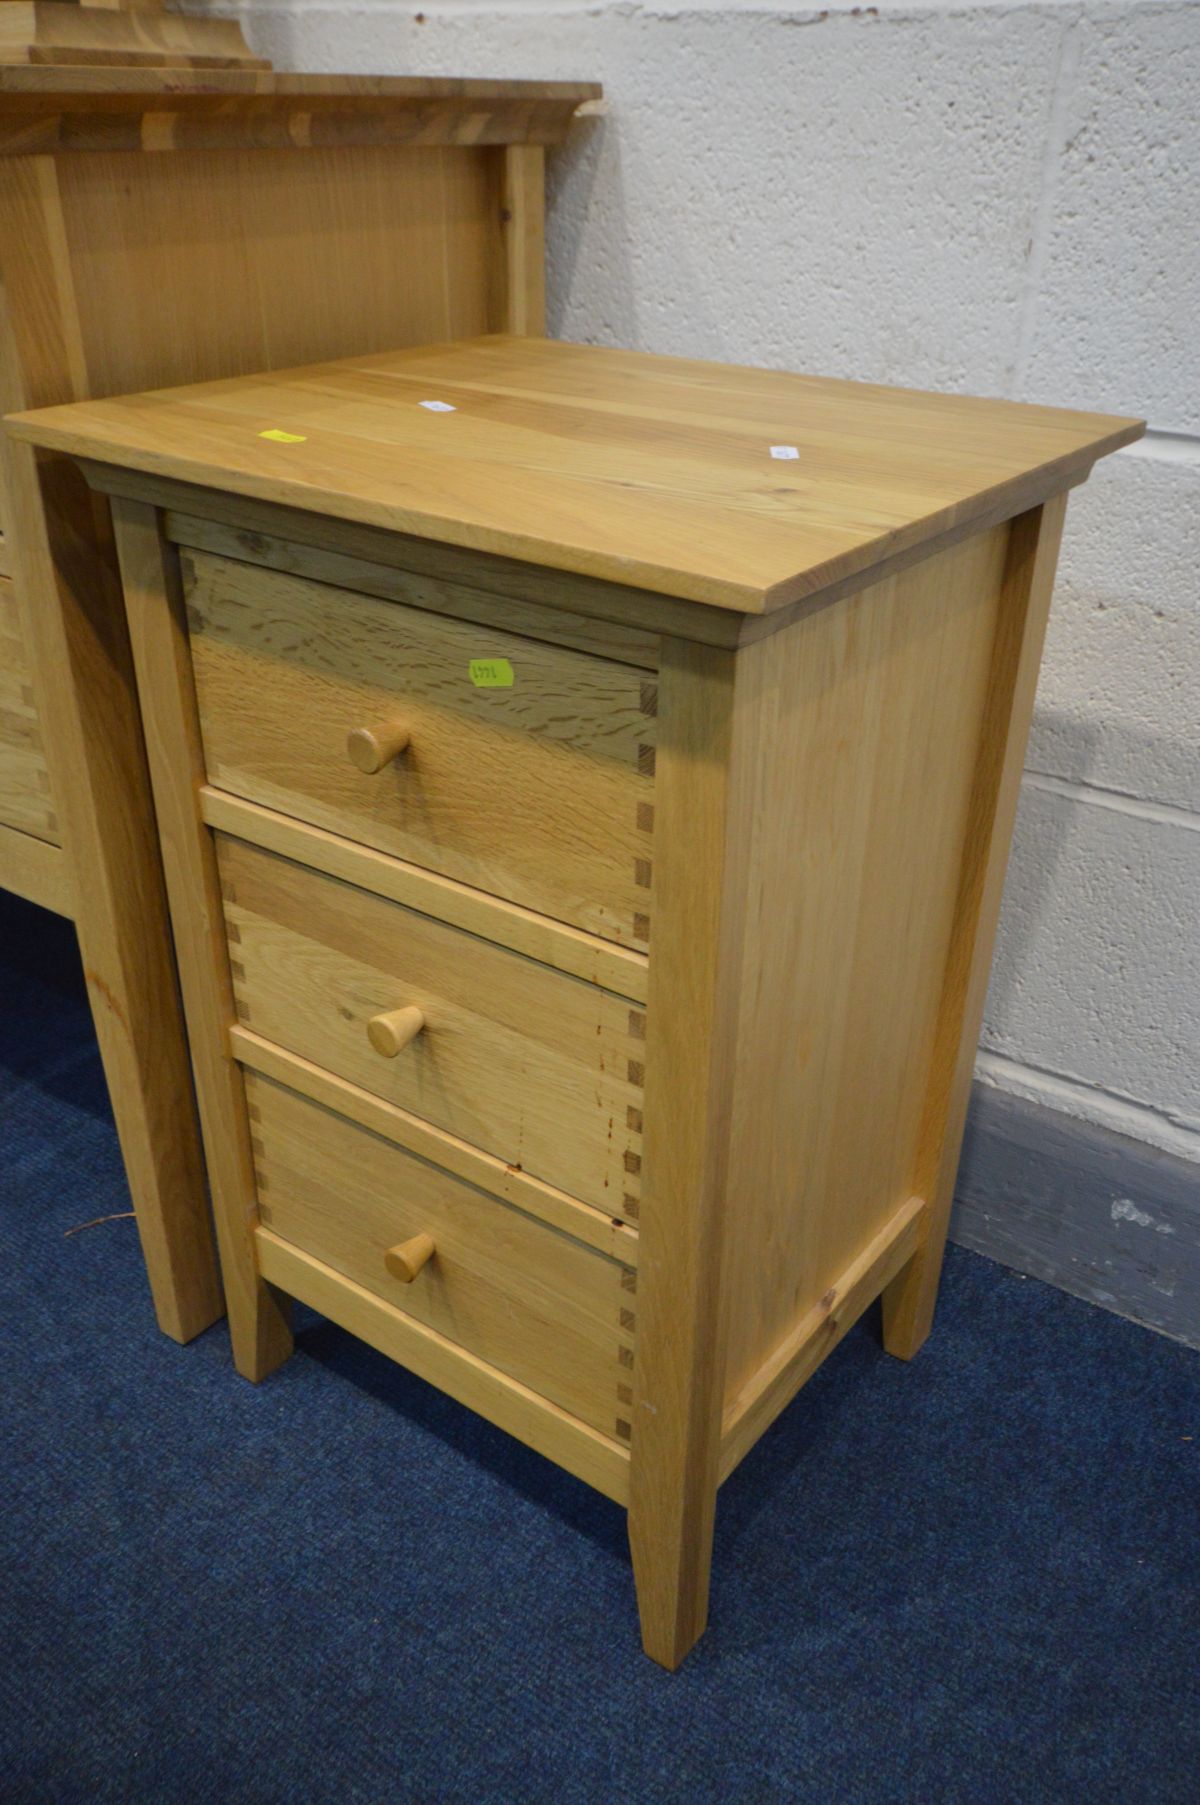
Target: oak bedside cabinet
<point>584,782</point>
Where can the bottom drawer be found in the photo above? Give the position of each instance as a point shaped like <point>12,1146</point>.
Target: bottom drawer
<point>531,1301</point>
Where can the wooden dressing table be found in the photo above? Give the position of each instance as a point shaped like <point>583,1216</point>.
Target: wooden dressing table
<point>585,781</point>
<point>164,222</point>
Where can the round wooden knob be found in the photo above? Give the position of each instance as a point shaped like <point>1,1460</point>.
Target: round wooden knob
<point>406,1260</point>
<point>371,748</point>
<point>389,1034</point>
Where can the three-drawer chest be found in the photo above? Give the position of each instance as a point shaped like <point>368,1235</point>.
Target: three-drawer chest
<point>584,782</point>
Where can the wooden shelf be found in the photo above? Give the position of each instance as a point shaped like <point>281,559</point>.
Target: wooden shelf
<point>155,109</point>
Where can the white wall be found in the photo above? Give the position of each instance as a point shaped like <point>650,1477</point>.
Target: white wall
<point>997,198</point>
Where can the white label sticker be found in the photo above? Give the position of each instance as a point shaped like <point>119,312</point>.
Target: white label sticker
<point>785,451</point>
<point>438,407</point>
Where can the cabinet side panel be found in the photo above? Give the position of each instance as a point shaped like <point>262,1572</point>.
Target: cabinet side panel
<point>869,715</point>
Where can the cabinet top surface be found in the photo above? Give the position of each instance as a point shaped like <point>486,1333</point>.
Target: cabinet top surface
<point>655,472</point>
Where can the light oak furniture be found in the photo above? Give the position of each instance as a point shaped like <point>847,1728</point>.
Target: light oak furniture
<point>170,225</point>
<point>584,828</point>
<point>137,33</point>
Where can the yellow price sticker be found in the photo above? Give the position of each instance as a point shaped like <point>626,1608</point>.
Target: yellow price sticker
<point>491,673</point>
<point>279,437</point>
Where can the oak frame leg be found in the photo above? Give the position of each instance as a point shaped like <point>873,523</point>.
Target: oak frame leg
<point>69,597</point>
<point>1034,538</point>
<point>259,1315</point>
<point>97,768</point>
<point>679,1375</point>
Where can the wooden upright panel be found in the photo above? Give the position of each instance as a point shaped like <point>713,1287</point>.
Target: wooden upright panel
<point>1023,606</point>
<point>868,714</point>
<point>692,1012</point>
<point>159,227</point>
<point>259,1318</point>
<point>218,263</point>
<point>522,301</point>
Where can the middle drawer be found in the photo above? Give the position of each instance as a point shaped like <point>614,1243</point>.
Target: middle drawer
<point>541,1069</point>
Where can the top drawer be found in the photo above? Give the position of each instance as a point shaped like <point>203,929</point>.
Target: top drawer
<point>539,789</point>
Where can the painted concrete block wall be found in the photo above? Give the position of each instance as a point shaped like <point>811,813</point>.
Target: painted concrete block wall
<point>995,198</point>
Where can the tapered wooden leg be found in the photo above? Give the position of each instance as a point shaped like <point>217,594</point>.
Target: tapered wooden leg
<point>1034,538</point>
<point>258,1313</point>
<point>671,1542</point>
<point>696,931</point>
<point>71,611</point>
<point>98,772</point>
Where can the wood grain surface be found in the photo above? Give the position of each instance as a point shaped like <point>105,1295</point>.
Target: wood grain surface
<point>166,225</point>
<point>168,110</point>
<point>528,1300</point>
<point>25,799</point>
<point>592,1456</point>
<point>868,718</point>
<point>526,1063</point>
<point>533,1195</point>
<point>63,32</point>
<point>644,470</point>
<point>550,942</point>
<point>530,791</point>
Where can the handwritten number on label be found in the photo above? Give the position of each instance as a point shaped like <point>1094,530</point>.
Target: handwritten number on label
<point>491,673</point>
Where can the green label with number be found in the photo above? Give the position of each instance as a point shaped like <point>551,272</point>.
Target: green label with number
<point>491,673</point>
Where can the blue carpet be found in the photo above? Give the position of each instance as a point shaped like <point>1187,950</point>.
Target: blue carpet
<point>972,1580</point>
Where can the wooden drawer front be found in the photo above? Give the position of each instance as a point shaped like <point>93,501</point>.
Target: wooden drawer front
<point>541,1069</point>
<point>25,800</point>
<point>540,792</point>
<point>550,1312</point>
